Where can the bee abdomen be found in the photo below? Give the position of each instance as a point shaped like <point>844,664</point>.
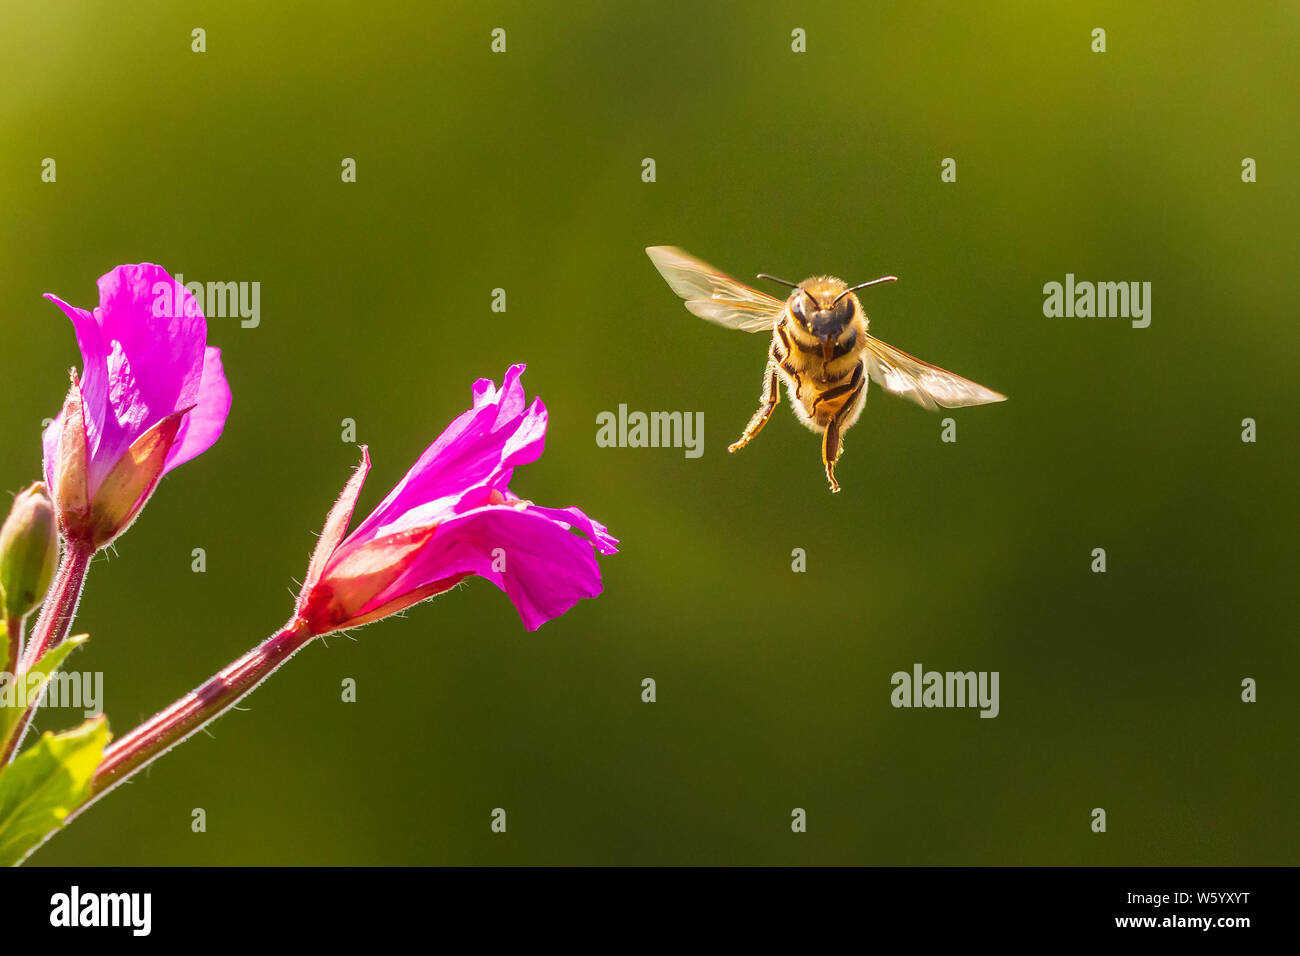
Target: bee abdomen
<point>829,401</point>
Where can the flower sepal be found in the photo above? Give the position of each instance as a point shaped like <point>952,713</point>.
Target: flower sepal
<point>133,479</point>
<point>70,476</point>
<point>94,520</point>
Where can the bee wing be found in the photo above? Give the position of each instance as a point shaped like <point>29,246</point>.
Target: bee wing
<point>928,385</point>
<point>713,295</point>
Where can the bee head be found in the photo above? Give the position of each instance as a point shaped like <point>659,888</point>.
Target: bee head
<point>823,306</point>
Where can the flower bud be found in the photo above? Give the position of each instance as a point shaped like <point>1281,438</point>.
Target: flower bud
<point>29,550</point>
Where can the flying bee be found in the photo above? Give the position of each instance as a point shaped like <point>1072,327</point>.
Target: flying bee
<point>820,349</point>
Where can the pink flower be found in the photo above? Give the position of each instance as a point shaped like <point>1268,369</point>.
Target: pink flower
<point>454,515</point>
<point>151,396</point>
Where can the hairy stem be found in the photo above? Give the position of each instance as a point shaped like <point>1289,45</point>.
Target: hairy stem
<point>14,648</point>
<point>60,605</point>
<point>52,626</point>
<point>135,750</point>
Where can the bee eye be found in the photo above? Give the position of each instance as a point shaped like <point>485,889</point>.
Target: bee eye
<point>797,308</point>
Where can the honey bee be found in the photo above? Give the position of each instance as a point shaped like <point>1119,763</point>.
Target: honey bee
<point>820,349</point>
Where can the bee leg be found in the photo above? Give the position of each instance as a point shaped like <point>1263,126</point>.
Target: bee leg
<point>832,443</point>
<point>772,387</point>
<point>831,451</point>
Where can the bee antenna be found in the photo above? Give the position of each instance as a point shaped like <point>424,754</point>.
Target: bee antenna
<point>764,275</point>
<point>864,285</point>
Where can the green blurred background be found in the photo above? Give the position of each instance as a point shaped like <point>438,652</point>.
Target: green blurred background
<point>522,171</point>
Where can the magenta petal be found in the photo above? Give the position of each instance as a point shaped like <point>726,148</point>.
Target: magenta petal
<point>94,376</point>
<point>548,569</point>
<point>528,440</point>
<point>475,455</point>
<point>50,447</point>
<point>483,391</point>
<point>155,336</point>
<point>605,542</point>
<point>155,325</point>
<point>202,426</point>
<point>510,400</point>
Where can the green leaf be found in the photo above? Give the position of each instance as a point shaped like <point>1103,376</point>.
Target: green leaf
<point>19,690</point>
<point>45,784</point>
